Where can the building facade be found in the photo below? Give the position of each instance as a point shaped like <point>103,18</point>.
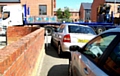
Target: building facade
<point>114,7</point>
<point>85,12</point>
<point>37,7</point>
<point>74,15</point>
<point>73,12</point>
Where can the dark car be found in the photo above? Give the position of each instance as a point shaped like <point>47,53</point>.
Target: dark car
<point>99,57</point>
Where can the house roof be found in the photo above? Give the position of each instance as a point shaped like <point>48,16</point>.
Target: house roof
<point>86,5</point>
<point>118,1</point>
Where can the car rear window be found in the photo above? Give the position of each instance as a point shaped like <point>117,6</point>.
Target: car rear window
<point>80,29</point>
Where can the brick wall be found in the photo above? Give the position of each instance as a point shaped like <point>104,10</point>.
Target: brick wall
<point>94,7</point>
<point>14,33</point>
<point>20,57</point>
<point>82,13</point>
<point>34,6</point>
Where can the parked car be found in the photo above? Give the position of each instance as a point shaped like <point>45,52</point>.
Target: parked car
<point>99,57</point>
<point>70,34</point>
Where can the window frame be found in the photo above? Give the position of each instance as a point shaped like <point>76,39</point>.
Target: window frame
<point>43,6</point>
<point>118,9</point>
<point>109,56</point>
<point>4,18</point>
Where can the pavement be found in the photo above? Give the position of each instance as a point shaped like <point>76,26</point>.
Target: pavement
<point>48,62</point>
<point>52,64</point>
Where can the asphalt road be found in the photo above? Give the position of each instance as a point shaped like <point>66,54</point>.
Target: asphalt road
<point>52,64</point>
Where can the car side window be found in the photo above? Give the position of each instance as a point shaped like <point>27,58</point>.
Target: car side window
<point>61,28</point>
<point>95,48</point>
<point>112,63</point>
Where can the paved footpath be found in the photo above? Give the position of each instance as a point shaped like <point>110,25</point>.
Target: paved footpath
<point>52,65</point>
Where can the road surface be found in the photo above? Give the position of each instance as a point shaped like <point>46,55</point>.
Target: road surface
<point>52,64</point>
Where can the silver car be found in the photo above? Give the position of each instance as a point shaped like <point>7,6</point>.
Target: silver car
<point>99,57</point>
<point>71,34</point>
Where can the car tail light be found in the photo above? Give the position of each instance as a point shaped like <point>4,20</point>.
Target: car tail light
<point>67,38</point>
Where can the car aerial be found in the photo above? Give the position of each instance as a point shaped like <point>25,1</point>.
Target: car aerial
<point>69,34</point>
<point>99,57</point>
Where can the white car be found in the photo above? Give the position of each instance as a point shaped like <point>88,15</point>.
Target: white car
<point>71,34</point>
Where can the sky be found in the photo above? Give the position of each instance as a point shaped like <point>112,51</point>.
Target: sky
<point>72,4</point>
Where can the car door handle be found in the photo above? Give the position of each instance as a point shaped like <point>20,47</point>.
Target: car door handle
<point>86,71</point>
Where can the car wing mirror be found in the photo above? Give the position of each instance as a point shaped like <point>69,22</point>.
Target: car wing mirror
<point>74,48</point>
<point>56,30</point>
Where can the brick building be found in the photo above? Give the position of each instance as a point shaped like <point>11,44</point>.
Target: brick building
<point>74,14</point>
<point>85,11</point>
<point>37,7</point>
<point>114,7</point>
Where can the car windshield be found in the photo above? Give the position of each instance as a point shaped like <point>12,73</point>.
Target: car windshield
<point>81,29</point>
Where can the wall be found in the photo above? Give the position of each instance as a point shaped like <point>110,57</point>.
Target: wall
<point>16,32</point>
<point>21,57</point>
<point>34,6</point>
<point>82,13</point>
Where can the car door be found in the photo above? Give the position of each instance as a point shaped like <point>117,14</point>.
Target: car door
<point>86,62</point>
<point>58,35</point>
<point>112,63</point>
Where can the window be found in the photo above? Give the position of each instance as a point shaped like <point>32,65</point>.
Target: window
<point>6,15</point>
<point>61,28</point>
<point>113,61</point>
<point>96,47</point>
<point>42,9</point>
<point>80,29</point>
<point>118,9</point>
<point>74,29</point>
<point>87,30</point>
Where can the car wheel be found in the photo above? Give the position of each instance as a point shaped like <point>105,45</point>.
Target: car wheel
<point>59,51</point>
<point>100,29</point>
<point>70,69</point>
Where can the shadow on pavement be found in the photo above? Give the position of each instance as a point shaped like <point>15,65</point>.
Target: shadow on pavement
<point>59,70</point>
<point>49,50</point>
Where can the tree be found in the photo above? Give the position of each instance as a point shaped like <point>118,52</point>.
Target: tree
<point>59,13</point>
<point>67,13</point>
<point>64,15</point>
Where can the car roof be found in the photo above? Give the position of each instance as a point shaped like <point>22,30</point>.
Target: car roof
<point>112,30</point>
<point>74,24</point>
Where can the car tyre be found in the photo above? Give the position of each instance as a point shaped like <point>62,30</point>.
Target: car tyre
<point>60,53</point>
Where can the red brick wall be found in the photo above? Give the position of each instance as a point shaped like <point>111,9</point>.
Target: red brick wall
<point>19,58</point>
<point>14,33</point>
<point>82,13</point>
<point>94,7</point>
<point>34,6</point>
